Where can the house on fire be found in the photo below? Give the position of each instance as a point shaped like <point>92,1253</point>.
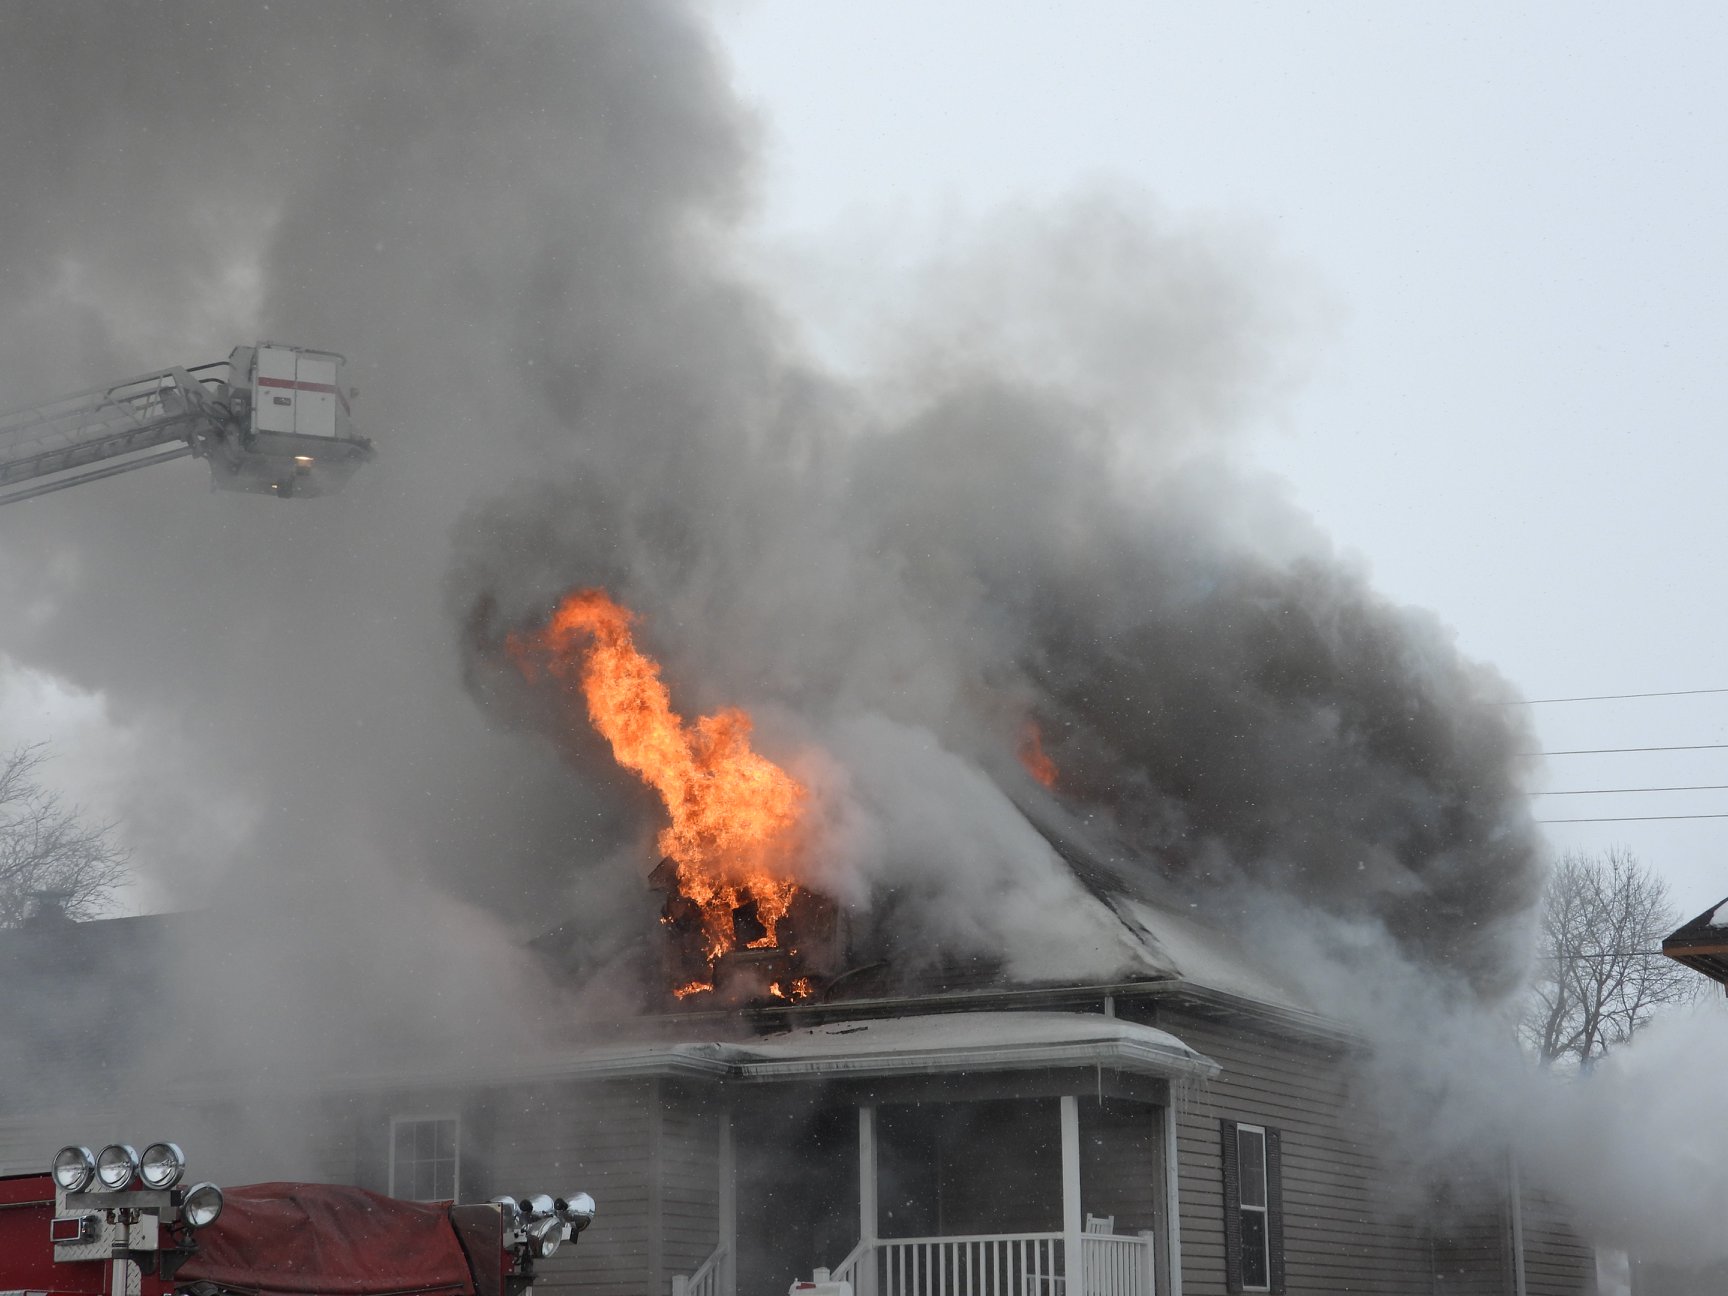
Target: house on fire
<point>1188,1129</point>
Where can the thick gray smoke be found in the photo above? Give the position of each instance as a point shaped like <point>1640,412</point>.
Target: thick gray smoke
<point>449,194</point>
<point>1044,528</point>
<point>520,221</point>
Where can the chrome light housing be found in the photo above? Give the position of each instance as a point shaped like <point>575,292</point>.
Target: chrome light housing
<point>162,1165</point>
<point>536,1207</point>
<point>576,1210</point>
<point>508,1209</point>
<point>201,1205</point>
<point>117,1166</point>
<point>74,1168</point>
<point>545,1236</point>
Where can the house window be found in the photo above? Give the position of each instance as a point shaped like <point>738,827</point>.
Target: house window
<point>1251,1203</point>
<point>1253,1213</point>
<point>423,1158</point>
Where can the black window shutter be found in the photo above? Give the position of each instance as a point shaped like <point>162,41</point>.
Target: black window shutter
<point>1232,1205</point>
<point>1275,1206</point>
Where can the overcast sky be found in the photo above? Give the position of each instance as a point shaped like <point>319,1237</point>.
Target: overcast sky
<point>1502,229</point>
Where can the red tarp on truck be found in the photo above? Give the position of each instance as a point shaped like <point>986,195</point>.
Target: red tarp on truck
<point>294,1239</point>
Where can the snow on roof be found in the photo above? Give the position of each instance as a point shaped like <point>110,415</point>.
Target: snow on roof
<point>1173,943</point>
<point>1720,917</point>
<point>932,1044</point>
<point>1206,957</point>
<point>977,1041</point>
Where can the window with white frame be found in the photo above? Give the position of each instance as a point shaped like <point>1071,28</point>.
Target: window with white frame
<point>1253,1210</point>
<point>1252,1205</point>
<point>424,1158</point>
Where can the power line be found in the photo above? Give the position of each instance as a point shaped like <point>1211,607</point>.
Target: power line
<point>1610,751</point>
<point>1613,697</point>
<point>1606,954</point>
<point>1694,787</point>
<point>1633,818</point>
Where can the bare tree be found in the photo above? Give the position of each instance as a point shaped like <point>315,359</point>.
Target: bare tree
<point>1600,974</point>
<point>48,852</point>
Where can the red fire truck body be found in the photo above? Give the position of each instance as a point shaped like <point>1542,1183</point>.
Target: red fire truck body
<point>272,1239</point>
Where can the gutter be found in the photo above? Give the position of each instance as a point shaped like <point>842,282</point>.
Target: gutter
<point>1115,1054</point>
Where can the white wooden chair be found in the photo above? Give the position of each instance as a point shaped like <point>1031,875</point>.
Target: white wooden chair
<point>1101,1224</point>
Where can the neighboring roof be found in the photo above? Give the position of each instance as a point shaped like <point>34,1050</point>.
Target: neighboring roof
<point>1702,944</point>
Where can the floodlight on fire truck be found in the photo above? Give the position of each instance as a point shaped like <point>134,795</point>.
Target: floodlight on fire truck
<point>117,1166</point>
<point>508,1209</point>
<point>576,1210</point>
<point>162,1165</point>
<point>546,1235</point>
<point>536,1206</point>
<point>201,1205</point>
<point>74,1168</point>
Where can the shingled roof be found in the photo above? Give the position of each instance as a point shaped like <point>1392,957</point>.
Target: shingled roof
<point>1702,944</point>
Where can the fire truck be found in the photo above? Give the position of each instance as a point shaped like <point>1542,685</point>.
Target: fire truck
<point>271,419</point>
<point>122,1223</point>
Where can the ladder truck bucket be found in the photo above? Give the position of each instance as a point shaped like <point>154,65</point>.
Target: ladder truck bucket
<point>292,412</point>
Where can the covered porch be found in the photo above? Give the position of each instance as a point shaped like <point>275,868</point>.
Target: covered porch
<point>977,1154</point>
<point>986,1167</point>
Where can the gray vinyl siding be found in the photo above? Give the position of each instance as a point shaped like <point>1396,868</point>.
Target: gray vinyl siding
<point>1339,1234</point>
<point>590,1138</point>
<point>689,1165</point>
<point>1557,1262</point>
<point>28,1144</point>
<point>308,1140</point>
<point>1473,1252</point>
<point>647,1151</point>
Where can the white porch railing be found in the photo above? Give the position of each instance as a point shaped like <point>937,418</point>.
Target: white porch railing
<point>705,1281</point>
<point>1118,1266</point>
<point>1001,1264</point>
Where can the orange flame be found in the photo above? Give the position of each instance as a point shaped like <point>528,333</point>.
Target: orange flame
<point>1032,755</point>
<point>732,812</point>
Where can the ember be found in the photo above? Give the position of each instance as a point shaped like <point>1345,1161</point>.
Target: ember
<point>733,814</point>
<point>1032,755</point>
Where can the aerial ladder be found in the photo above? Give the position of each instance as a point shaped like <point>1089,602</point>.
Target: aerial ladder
<point>269,420</point>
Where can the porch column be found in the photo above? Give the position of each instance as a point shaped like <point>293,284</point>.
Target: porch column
<point>1172,1203</point>
<point>1074,1259</point>
<point>867,1225</point>
<point>728,1209</point>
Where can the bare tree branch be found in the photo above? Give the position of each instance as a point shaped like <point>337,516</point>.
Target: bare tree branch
<point>1597,982</point>
<point>49,854</point>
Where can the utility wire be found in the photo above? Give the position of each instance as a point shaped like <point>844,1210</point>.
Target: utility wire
<point>1610,751</point>
<point>1693,787</point>
<point>1609,954</point>
<point>1612,697</point>
<point>1633,818</point>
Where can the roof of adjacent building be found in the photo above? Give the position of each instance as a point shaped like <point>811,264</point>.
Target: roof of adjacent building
<point>1702,944</point>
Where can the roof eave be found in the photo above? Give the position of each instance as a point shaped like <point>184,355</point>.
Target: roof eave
<point>1118,1055</point>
